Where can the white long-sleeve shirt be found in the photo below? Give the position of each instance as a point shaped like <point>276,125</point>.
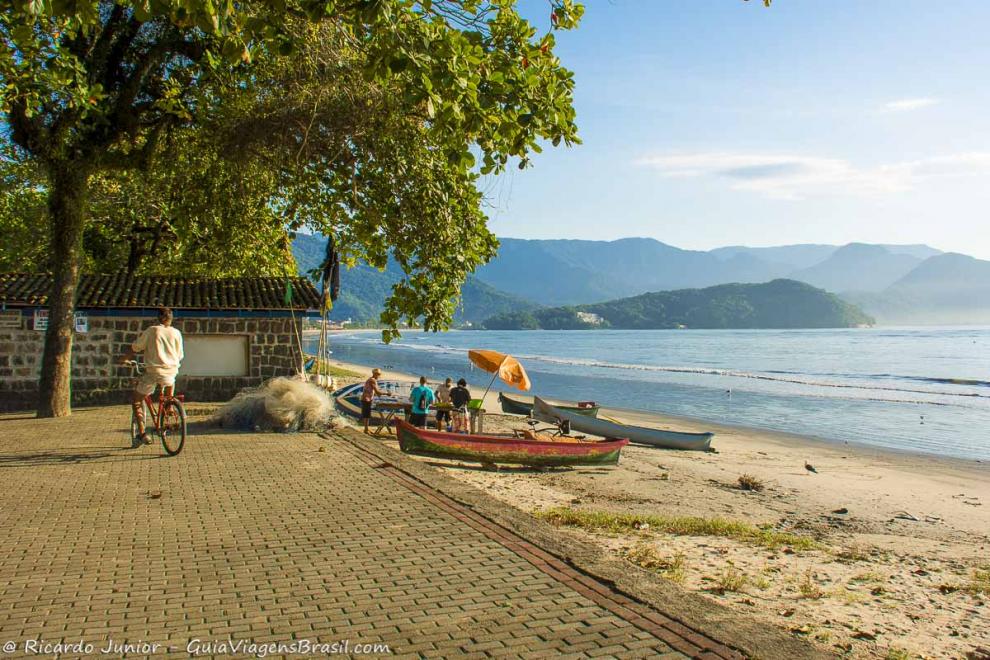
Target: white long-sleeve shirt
<point>162,348</point>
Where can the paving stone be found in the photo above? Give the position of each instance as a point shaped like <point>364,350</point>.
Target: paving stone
<point>262,537</point>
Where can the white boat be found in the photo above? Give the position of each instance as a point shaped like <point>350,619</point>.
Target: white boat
<point>637,434</point>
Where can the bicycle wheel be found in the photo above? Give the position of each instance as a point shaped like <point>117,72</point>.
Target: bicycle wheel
<point>134,420</point>
<point>173,427</point>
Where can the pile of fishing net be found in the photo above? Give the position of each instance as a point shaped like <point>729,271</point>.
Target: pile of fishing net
<point>280,404</point>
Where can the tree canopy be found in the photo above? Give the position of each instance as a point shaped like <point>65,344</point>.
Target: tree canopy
<point>367,120</point>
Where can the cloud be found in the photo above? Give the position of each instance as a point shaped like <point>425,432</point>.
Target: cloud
<point>907,105</point>
<point>788,176</point>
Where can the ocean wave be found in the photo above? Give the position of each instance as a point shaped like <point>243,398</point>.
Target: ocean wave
<point>779,376</point>
<point>767,376</point>
<point>973,382</point>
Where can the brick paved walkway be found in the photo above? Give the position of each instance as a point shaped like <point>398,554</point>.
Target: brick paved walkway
<point>263,537</point>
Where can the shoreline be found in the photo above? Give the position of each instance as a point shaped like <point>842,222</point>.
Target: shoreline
<point>900,539</point>
<point>696,424</point>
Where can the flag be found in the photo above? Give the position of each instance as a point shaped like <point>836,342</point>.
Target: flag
<point>331,273</point>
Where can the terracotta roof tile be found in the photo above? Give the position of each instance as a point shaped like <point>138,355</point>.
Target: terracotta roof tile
<point>119,291</point>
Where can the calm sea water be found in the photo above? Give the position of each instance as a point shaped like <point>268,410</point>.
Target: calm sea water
<point>917,389</point>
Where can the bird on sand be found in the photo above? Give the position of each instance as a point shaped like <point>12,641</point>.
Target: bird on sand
<point>809,467</point>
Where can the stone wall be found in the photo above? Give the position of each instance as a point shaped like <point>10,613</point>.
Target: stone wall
<point>97,378</point>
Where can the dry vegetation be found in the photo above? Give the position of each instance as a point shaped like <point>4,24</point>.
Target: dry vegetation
<point>671,567</point>
<point>749,482</point>
<point>602,521</point>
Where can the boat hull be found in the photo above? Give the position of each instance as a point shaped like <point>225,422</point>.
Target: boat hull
<point>506,451</point>
<point>640,435</point>
<point>348,400</point>
<point>513,405</point>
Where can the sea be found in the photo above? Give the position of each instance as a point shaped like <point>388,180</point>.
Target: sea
<point>919,389</point>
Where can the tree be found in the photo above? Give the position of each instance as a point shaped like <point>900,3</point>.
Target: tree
<point>195,213</point>
<point>92,87</point>
<point>22,211</point>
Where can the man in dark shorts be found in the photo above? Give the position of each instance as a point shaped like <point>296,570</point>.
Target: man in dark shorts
<point>422,398</point>
<point>368,395</point>
<point>459,397</point>
<point>443,396</point>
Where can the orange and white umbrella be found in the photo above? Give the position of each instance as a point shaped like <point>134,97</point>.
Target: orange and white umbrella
<point>501,366</point>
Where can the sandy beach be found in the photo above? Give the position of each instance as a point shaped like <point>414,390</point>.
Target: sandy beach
<point>896,562</point>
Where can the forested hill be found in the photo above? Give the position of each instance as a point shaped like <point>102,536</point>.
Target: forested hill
<point>777,304</point>
<point>364,289</point>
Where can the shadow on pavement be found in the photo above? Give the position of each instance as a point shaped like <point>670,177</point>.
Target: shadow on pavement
<point>69,457</point>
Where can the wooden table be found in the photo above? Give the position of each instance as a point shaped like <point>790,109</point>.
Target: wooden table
<point>477,420</point>
<point>387,409</point>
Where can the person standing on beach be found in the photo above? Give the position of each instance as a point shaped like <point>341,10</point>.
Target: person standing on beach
<point>443,397</point>
<point>422,398</point>
<point>459,398</point>
<point>368,395</point>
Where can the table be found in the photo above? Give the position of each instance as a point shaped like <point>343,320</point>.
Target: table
<point>387,410</point>
<point>477,420</point>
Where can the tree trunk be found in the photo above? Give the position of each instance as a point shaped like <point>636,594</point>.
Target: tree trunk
<point>66,212</point>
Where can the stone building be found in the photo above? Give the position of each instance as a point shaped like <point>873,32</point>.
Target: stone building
<point>238,332</point>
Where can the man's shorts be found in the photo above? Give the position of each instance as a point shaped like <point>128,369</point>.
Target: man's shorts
<point>151,378</point>
<point>366,410</point>
<point>443,415</point>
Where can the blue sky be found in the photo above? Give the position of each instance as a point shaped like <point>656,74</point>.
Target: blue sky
<point>719,122</point>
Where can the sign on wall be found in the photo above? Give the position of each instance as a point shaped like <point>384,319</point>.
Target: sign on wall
<point>10,318</point>
<point>81,320</point>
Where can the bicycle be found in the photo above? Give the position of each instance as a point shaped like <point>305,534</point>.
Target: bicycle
<point>169,420</point>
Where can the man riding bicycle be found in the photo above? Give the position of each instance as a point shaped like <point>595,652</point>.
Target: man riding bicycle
<point>161,346</point>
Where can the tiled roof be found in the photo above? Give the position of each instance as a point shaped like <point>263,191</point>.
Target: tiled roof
<point>119,291</point>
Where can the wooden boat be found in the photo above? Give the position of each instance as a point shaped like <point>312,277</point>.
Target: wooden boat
<point>348,399</point>
<point>517,405</point>
<point>638,434</point>
<point>505,450</point>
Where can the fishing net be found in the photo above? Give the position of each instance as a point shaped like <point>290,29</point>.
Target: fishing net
<point>280,404</point>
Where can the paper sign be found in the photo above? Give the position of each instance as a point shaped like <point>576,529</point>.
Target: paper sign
<point>40,319</point>
<point>10,319</point>
<point>82,322</point>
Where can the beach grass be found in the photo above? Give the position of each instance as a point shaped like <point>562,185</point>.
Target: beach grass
<point>671,567</point>
<point>809,589</point>
<point>603,521</point>
<point>749,482</point>
<point>331,369</point>
<point>730,580</point>
<point>979,584</point>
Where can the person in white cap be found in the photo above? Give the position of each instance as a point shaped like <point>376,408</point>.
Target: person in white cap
<point>368,395</point>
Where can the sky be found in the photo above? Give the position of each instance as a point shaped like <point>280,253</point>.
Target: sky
<point>720,122</point>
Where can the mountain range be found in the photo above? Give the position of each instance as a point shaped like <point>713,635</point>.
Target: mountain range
<point>363,289</point>
<point>776,304</point>
<point>893,283</point>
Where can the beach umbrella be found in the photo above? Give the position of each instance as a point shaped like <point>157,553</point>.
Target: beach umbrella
<point>501,366</point>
